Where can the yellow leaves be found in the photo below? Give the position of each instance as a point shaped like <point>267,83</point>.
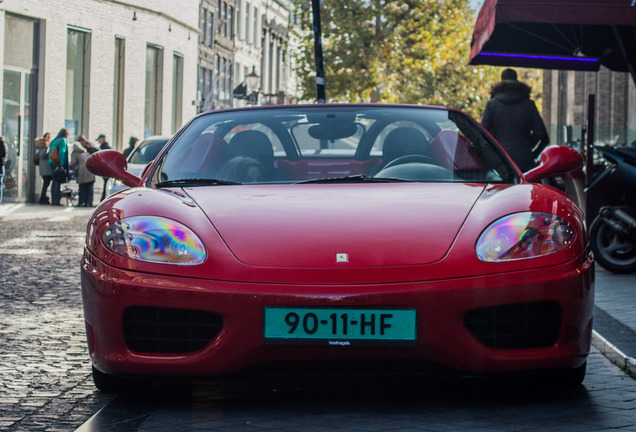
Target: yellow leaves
<point>411,51</point>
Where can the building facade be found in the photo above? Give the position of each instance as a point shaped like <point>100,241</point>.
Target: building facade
<point>245,56</point>
<point>112,67</point>
<point>127,68</point>
<point>565,106</point>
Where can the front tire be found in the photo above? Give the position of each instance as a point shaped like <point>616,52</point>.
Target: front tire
<point>572,377</point>
<point>612,249</point>
<point>113,384</point>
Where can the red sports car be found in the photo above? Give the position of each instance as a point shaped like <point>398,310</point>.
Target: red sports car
<point>336,234</point>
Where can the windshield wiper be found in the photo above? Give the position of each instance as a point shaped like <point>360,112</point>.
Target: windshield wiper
<point>358,178</point>
<point>195,182</point>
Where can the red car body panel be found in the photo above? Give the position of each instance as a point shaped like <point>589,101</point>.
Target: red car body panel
<point>443,290</point>
<point>441,305</point>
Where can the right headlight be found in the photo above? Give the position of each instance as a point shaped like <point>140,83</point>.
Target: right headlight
<point>524,235</point>
<point>154,239</point>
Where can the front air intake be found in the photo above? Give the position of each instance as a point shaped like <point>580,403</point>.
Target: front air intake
<point>169,331</point>
<point>516,326</point>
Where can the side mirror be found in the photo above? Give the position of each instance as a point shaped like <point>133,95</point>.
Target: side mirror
<point>111,163</point>
<point>555,160</point>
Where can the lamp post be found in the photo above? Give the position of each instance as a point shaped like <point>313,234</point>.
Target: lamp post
<point>253,84</point>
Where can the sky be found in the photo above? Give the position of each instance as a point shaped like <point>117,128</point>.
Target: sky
<point>476,4</point>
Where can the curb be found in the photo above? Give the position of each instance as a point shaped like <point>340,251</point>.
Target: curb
<point>613,354</point>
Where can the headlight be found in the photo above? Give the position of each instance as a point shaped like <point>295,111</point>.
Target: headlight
<point>154,239</point>
<point>524,235</point>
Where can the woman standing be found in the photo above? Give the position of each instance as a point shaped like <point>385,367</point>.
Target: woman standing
<point>58,158</point>
<point>42,158</point>
<point>84,177</point>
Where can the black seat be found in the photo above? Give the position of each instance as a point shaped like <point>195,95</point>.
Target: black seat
<point>256,145</point>
<point>404,141</point>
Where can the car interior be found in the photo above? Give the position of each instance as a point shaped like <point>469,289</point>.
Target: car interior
<point>288,146</point>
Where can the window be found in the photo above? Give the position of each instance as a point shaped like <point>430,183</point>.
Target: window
<point>177,92</point>
<point>219,9</point>
<point>154,94</point>
<point>225,20</point>
<point>231,23</point>
<point>77,81</point>
<point>247,23</point>
<point>255,27</point>
<point>203,26</point>
<point>208,84</point>
<point>217,76</point>
<point>210,41</point>
<point>238,19</point>
<point>118,95</point>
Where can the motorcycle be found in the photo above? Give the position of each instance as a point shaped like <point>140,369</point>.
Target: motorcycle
<point>613,232</point>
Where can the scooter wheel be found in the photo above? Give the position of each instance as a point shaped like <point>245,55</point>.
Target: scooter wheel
<point>613,250</point>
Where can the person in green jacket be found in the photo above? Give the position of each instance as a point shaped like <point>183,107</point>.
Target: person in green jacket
<point>61,145</point>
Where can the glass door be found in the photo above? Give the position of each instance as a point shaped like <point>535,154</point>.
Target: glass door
<point>16,129</point>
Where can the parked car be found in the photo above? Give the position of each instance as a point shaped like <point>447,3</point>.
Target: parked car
<point>336,233</point>
<point>142,155</point>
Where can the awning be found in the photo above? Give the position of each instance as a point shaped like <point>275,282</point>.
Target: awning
<point>556,34</point>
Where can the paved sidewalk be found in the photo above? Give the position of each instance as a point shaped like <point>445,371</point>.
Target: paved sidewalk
<point>615,318</point>
<point>23,211</point>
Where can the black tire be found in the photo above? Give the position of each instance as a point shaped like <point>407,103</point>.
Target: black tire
<point>114,384</point>
<point>106,383</point>
<point>572,377</point>
<point>613,250</point>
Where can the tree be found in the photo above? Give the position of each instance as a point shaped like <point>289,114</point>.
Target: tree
<point>406,51</point>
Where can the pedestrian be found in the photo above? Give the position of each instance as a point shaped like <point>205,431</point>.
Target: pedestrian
<point>103,145</point>
<point>512,118</point>
<point>132,142</point>
<point>58,161</point>
<point>85,179</point>
<point>42,161</point>
<point>3,159</point>
<point>89,146</point>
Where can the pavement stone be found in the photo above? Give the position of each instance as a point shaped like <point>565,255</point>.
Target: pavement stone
<point>45,381</point>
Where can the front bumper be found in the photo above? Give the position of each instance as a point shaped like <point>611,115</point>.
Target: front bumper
<point>442,308</point>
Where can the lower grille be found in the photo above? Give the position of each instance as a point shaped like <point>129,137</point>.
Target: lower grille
<point>169,331</point>
<point>516,326</point>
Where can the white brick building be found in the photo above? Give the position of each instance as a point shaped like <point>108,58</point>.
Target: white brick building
<point>113,67</point>
<point>131,68</point>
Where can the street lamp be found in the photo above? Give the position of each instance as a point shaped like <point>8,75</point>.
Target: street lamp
<point>253,84</point>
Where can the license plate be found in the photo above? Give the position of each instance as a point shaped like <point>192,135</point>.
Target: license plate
<point>339,327</point>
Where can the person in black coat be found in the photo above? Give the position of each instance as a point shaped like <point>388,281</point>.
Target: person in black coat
<point>513,120</point>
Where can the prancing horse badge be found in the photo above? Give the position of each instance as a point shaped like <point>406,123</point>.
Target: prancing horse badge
<point>342,257</point>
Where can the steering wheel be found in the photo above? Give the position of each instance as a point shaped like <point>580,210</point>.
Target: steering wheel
<point>409,159</point>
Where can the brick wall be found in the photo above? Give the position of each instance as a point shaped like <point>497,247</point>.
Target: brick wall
<point>615,121</point>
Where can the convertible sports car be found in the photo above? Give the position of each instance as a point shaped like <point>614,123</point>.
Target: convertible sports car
<point>336,234</point>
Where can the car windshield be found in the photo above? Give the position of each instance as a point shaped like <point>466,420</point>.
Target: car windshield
<point>333,143</point>
<point>145,152</point>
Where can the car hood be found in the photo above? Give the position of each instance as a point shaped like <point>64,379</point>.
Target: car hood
<point>327,226</point>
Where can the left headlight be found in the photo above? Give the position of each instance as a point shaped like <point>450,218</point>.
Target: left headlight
<point>154,239</point>
<point>524,235</point>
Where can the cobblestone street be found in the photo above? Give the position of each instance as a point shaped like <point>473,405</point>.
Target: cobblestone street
<point>45,382</point>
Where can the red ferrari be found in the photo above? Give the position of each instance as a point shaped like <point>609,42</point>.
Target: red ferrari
<point>336,234</point>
